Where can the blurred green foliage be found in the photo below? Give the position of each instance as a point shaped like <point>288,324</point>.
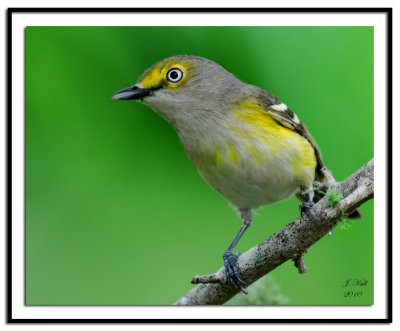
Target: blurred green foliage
<point>117,215</point>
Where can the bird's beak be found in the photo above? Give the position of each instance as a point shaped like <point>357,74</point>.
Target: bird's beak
<point>132,93</point>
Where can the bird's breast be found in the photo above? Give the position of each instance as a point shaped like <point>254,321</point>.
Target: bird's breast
<point>251,161</point>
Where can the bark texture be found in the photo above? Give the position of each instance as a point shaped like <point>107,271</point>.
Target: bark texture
<point>291,242</point>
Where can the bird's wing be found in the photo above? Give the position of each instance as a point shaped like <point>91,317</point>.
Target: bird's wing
<point>284,116</point>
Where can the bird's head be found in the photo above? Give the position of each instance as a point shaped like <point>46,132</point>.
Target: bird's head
<point>182,86</point>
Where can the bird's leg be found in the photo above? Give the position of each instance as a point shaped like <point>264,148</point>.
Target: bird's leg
<point>230,258</point>
<point>306,206</point>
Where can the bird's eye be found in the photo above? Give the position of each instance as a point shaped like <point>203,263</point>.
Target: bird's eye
<point>174,75</point>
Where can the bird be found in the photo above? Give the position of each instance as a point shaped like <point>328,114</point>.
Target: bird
<point>247,144</point>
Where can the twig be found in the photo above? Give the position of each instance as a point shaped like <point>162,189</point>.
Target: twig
<point>289,243</point>
<point>330,180</point>
<point>299,263</point>
<point>218,277</point>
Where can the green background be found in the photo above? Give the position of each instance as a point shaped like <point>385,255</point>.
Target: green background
<point>115,212</point>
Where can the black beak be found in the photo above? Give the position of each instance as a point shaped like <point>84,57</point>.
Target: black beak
<point>132,93</point>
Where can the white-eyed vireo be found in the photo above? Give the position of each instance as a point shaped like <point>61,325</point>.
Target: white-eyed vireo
<point>250,147</point>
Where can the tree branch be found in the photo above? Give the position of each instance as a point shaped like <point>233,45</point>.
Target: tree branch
<point>289,243</point>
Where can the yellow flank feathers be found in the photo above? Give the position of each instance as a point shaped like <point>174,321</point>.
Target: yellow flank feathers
<point>265,138</point>
<point>232,154</point>
<point>217,158</point>
<point>261,122</point>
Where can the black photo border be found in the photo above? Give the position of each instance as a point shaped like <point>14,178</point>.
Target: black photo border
<point>389,94</point>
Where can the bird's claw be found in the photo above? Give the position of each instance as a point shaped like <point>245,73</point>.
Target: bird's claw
<point>305,208</point>
<point>231,268</point>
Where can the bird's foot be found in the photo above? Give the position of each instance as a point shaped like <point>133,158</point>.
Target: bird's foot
<point>231,268</point>
<point>305,208</point>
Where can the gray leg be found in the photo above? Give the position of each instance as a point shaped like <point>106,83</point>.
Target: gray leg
<point>230,258</point>
<point>305,207</point>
